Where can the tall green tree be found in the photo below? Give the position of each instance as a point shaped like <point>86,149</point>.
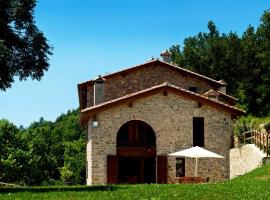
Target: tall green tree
<point>11,152</point>
<point>24,50</point>
<point>43,153</point>
<point>243,62</point>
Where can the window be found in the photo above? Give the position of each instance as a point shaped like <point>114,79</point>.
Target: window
<point>198,131</point>
<point>192,89</point>
<point>84,97</point>
<point>180,167</point>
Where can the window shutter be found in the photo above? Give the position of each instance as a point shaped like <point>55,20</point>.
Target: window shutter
<point>112,169</point>
<point>162,162</point>
<point>198,131</point>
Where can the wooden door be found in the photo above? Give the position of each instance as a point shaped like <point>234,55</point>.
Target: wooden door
<point>112,169</point>
<point>162,163</point>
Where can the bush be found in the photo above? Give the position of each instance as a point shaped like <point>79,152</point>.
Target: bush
<point>267,127</point>
<point>52,182</point>
<point>67,175</point>
<point>242,125</point>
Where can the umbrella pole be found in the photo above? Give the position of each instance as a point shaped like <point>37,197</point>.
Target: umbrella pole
<point>196,167</point>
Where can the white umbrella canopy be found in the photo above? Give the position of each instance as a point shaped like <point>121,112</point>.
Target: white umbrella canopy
<point>195,152</point>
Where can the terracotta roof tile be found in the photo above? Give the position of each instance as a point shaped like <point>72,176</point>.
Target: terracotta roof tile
<point>153,61</point>
<point>221,93</point>
<point>104,105</point>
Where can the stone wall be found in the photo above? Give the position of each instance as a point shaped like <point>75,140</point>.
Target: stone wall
<point>143,78</point>
<point>244,159</point>
<point>171,119</point>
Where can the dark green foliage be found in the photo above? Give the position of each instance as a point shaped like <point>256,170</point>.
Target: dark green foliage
<point>242,62</point>
<point>23,48</point>
<point>74,162</point>
<point>267,127</point>
<point>9,151</point>
<point>38,154</point>
<point>247,123</point>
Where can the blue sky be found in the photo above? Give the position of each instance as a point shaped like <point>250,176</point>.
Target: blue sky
<point>93,37</point>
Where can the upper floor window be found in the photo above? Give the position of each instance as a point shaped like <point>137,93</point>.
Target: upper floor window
<point>84,97</point>
<point>198,131</point>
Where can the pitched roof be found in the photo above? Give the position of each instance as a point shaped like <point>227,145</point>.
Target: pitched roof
<point>209,92</point>
<point>85,113</point>
<point>173,66</point>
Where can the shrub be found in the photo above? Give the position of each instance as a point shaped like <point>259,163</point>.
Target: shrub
<point>267,127</point>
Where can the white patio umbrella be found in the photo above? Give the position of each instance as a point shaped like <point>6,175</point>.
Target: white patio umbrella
<point>195,152</point>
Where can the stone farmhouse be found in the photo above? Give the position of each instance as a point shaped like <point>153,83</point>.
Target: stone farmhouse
<point>137,116</point>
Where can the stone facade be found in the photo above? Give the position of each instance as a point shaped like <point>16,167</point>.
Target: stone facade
<point>171,119</point>
<point>143,78</point>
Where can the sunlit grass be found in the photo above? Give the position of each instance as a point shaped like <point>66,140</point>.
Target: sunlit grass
<point>254,185</point>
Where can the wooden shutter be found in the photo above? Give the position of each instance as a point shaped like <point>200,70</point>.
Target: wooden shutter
<point>112,169</point>
<point>162,162</point>
<point>198,131</point>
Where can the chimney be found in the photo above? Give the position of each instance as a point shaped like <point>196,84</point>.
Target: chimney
<point>99,90</point>
<point>166,56</point>
<point>223,88</point>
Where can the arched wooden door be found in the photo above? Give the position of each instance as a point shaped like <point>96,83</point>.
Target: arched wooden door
<point>136,153</point>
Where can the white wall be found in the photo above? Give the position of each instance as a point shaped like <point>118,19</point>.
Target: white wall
<point>244,159</point>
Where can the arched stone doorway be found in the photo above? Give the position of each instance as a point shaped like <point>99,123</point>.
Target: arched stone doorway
<point>136,152</point>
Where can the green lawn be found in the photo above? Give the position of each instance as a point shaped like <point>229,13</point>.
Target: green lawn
<point>254,185</point>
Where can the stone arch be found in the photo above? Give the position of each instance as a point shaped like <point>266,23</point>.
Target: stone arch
<point>136,152</point>
<point>136,133</point>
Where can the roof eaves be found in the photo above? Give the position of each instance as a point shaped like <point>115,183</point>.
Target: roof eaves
<point>229,96</point>
<point>157,87</point>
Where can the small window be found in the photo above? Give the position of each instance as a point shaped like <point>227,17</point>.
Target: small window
<point>198,131</point>
<point>84,97</point>
<point>192,89</point>
<point>180,167</point>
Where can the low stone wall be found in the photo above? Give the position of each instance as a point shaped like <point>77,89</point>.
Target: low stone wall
<point>244,159</point>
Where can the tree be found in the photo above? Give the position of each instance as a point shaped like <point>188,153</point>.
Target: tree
<point>42,163</point>
<point>73,170</point>
<point>243,62</point>
<point>24,50</point>
<point>211,54</point>
<point>10,152</point>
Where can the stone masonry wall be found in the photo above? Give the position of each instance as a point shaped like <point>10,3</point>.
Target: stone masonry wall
<point>120,85</point>
<point>171,119</point>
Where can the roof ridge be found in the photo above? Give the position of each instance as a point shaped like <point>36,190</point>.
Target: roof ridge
<point>157,60</point>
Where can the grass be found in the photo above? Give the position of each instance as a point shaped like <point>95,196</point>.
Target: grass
<point>254,185</point>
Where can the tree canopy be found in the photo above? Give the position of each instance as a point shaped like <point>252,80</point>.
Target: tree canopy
<point>243,62</point>
<point>45,153</point>
<point>24,49</point>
